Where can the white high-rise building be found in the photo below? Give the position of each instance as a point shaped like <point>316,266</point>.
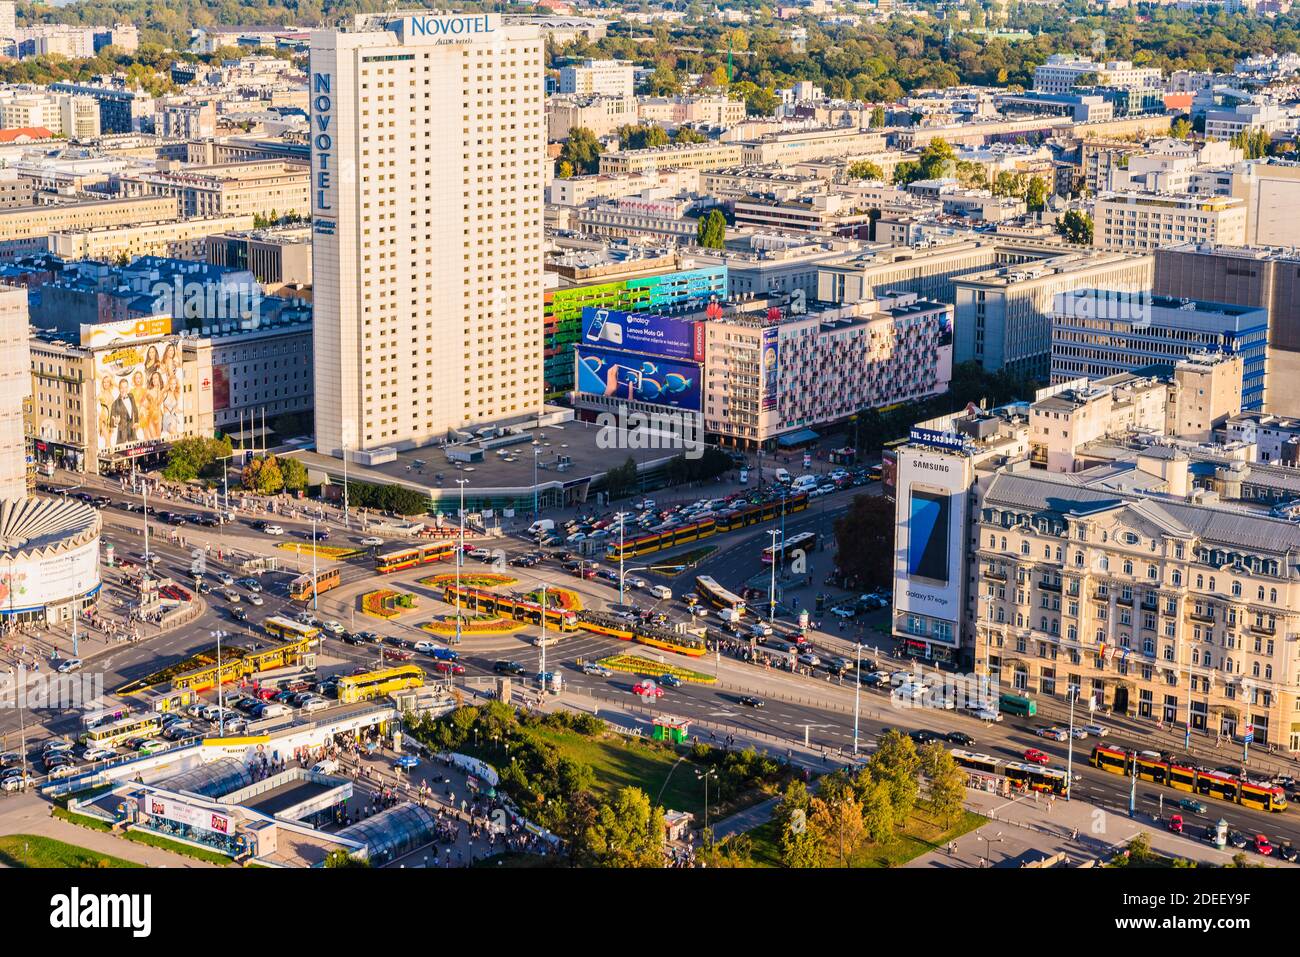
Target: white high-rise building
<point>428,154</point>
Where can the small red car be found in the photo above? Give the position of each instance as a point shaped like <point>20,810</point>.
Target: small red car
<point>1034,756</point>
<point>647,689</point>
<point>396,654</point>
<point>1176,824</point>
<point>448,668</point>
<point>1262,846</point>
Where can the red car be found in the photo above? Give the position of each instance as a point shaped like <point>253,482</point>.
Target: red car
<point>395,654</point>
<point>448,668</point>
<point>647,689</point>
<point>1176,824</point>
<point>1262,846</point>
<point>1034,756</point>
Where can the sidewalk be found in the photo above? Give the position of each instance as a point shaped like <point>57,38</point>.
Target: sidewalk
<point>1022,831</point>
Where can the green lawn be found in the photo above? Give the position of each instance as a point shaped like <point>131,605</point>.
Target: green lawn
<point>30,850</point>
<point>921,836</point>
<point>176,847</point>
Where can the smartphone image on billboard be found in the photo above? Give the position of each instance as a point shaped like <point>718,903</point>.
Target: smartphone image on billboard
<point>929,520</point>
<point>602,330</point>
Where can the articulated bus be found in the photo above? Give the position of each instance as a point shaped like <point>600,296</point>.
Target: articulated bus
<point>1033,777</point>
<point>107,715</point>
<point>726,521</point>
<point>520,609</point>
<point>305,586</point>
<point>716,595</point>
<point>1184,777</point>
<point>376,684</point>
<point>395,561</point>
<point>804,541</point>
<point>287,630</point>
<point>115,732</point>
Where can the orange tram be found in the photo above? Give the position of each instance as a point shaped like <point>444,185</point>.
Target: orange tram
<point>1182,777</point>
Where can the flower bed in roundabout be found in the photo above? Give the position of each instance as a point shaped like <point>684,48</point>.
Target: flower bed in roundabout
<point>635,664</point>
<point>469,580</point>
<point>561,598</point>
<point>473,625</point>
<point>332,552</point>
<point>387,604</point>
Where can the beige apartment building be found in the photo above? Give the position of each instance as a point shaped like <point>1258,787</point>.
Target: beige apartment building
<point>180,239</point>
<point>428,156</point>
<point>258,188</point>
<point>696,110</point>
<point>685,156</point>
<point>25,229</point>
<point>1138,222</point>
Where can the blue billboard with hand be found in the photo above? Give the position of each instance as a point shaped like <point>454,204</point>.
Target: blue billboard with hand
<point>638,378</point>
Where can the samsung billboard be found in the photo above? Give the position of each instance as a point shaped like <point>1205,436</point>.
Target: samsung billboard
<point>931,489</point>
<point>642,332</point>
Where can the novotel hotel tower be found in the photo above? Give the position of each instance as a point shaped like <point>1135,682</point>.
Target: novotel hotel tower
<point>428,150</point>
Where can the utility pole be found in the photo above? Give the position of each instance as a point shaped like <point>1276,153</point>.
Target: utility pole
<point>771,588</point>
<point>460,555</point>
<point>315,604</point>
<point>1069,748</point>
<point>857,695</point>
<point>620,558</point>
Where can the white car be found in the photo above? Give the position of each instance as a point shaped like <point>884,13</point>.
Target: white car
<point>372,542</point>
<point>274,529</point>
<point>15,783</point>
<point>305,618</point>
<point>255,599</point>
<point>92,753</point>
<point>57,746</point>
<point>72,664</point>
<point>808,658</point>
<point>425,647</point>
<point>482,554</point>
<point>334,627</point>
<point>1096,730</point>
<point>63,771</point>
<point>226,578</point>
<point>232,596</point>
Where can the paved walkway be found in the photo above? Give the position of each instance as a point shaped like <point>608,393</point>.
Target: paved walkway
<point>1023,831</point>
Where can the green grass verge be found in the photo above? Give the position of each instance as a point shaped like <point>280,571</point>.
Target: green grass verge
<point>31,850</point>
<point>176,847</point>
<point>81,820</point>
<point>920,836</point>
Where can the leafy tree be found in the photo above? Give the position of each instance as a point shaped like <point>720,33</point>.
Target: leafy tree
<point>565,170</point>
<point>664,81</point>
<point>712,230</point>
<point>295,475</point>
<point>736,850</point>
<point>947,791</point>
<point>1181,128</point>
<point>1036,194</point>
<point>799,846</point>
<point>189,458</point>
<point>1076,226</point>
<point>623,480</point>
<point>688,134</point>
<point>344,859</point>
<point>864,541</point>
<point>627,832</point>
<point>1254,143</point>
<point>718,77</point>
<point>877,117</point>
<point>865,169</point>
<point>581,150</point>
<point>263,476</point>
<point>642,136</point>
<point>879,819</point>
<point>896,763</point>
<point>836,819</point>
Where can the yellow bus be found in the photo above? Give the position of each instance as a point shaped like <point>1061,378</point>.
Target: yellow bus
<point>288,630</point>
<point>304,586</point>
<point>716,595</point>
<point>376,684</point>
<point>115,732</point>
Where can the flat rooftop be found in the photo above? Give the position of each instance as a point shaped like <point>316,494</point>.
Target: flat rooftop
<point>284,796</point>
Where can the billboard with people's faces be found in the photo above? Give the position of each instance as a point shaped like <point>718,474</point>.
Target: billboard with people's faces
<point>141,390</point>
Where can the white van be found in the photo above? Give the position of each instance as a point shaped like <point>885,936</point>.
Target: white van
<point>782,476</point>
<point>805,483</point>
<point>328,766</point>
<point>273,709</point>
<point>540,526</point>
<point>662,592</point>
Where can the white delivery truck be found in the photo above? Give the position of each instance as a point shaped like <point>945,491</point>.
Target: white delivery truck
<point>541,526</point>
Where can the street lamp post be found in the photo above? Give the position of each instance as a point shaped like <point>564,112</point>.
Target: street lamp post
<point>1069,748</point>
<point>857,695</point>
<point>988,842</point>
<point>620,558</point>
<point>543,667</point>
<point>219,634</point>
<point>537,450</point>
<point>704,776</point>
<point>315,603</point>
<point>771,589</point>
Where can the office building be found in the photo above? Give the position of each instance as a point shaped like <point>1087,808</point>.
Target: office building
<point>1139,222</point>
<point>1062,73</point>
<point>26,229</point>
<point>181,239</point>
<point>1099,332</point>
<point>428,174</point>
<point>598,77</point>
<point>250,189</point>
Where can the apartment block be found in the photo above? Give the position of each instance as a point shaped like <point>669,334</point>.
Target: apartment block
<point>1139,222</point>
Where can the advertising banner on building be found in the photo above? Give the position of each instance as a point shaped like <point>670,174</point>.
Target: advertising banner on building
<point>141,394</point>
<point>38,581</point>
<point>638,378</point>
<point>101,334</point>
<point>930,490</point>
<point>661,336</point>
<point>771,368</point>
<point>197,817</point>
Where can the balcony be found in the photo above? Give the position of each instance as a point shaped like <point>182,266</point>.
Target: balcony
<point>1263,629</point>
<point>995,573</point>
<point>1206,616</point>
<point>1050,586</point>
